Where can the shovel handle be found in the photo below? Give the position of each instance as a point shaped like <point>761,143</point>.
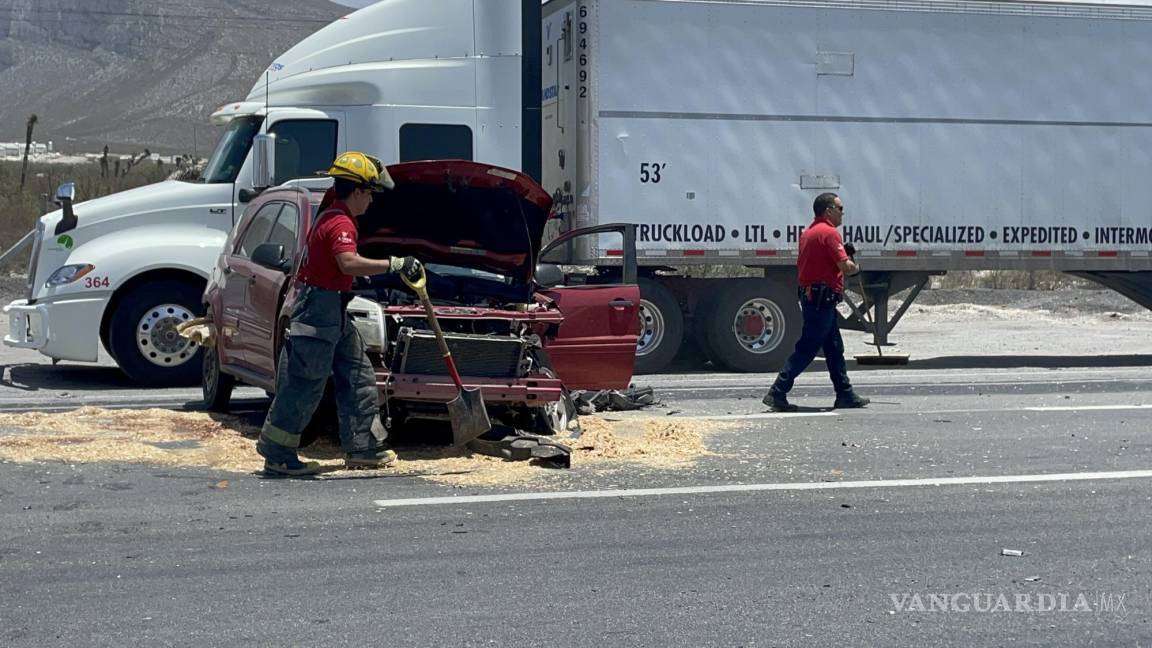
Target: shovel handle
<point>421,288</point>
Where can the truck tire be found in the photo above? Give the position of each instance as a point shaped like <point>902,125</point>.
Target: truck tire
<point>752,326</point>
<point>215,385</point>
<point>661,328</point>
<point>142,336</point>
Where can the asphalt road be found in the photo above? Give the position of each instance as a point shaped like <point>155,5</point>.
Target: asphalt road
<point>778,538</point>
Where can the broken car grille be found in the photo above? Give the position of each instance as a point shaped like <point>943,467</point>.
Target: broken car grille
<point>480,356</point>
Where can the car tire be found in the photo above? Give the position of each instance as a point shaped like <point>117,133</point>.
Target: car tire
<point>215,385</point>
<point>142,334</point>
<point>752,325</point>
<point>661,327</point>
<point>553,418</point>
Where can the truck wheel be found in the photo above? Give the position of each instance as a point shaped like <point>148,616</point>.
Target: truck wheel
<point>661,328</point>
<point>214,384</point>
<point>143,337</point>
<point>753,326</point>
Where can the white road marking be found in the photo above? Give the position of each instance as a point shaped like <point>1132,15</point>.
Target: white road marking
<point>750,488</point>
<point>1073,408</point>
<point>881,411</point>
<point>1012,383</point>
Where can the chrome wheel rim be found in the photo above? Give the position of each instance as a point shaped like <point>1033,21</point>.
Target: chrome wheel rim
<point>758,325</point>
<point>157,339</point>
<point>651,328</point>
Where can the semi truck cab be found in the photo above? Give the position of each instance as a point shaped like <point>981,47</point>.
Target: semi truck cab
<point>404,80</point>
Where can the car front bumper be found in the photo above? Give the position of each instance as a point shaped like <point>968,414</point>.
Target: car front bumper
<point>530,392</point>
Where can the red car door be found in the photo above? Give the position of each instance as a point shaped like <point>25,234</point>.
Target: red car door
<point>595,347</point>
<point>267,289</point>
<point>236,273</point>
<point>238,297</point>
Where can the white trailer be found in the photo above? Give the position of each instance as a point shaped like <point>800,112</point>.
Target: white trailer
<point>960,135</point>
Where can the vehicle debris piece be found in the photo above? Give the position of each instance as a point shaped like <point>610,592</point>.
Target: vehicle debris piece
<point>516,445</point>
<point>613,400</point>
<point>199,330</point>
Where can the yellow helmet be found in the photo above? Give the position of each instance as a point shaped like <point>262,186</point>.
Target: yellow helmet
<point>362,169</point>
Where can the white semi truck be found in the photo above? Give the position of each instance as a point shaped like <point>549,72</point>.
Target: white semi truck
<point>970,135</point>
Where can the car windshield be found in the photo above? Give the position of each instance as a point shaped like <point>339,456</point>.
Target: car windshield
<point>232,150</point>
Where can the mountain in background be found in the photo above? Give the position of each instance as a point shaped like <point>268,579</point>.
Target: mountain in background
<point>139,73</point>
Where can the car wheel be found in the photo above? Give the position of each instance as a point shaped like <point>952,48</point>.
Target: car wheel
<point>143,338</point>
<point>661,327</point>
<point>214,384</point>
<point>752,326</point>
<point>553,418</point>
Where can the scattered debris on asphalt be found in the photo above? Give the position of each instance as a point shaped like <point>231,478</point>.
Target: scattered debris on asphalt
<point>633,398</point>
<point>227,442</point>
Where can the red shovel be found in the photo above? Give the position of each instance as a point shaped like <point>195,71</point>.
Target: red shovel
<point>467,412</point>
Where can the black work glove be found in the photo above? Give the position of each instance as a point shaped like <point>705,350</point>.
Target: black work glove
<point>851,250</point>
<point>408,266</point>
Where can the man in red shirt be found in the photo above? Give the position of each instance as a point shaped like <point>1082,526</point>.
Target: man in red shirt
<point>821,266</point>
<point>321,342</point>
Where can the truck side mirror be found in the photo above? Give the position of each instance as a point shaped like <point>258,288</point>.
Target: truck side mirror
<point>271,256</point>
<point>66,192</point>
<point>264,161</point>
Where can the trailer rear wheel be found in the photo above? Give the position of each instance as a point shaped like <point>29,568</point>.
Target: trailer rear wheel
<point>753,326</point>
<point>661,328</point>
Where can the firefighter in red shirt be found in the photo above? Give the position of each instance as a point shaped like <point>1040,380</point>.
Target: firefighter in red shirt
<point>822,264</point>
<point>322,343</point>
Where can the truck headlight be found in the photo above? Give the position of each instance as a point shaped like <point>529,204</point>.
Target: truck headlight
<point>69,273</point>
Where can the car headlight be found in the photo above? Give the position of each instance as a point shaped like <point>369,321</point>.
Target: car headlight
<point>69,273</point>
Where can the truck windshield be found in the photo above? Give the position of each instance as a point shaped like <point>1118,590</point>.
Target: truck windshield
<point>232,150</point>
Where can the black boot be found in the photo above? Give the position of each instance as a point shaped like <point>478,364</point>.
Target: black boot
<point>778,402</point>
<point>849,400</point>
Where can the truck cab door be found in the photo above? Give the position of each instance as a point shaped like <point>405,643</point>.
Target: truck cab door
<point>595,347</point>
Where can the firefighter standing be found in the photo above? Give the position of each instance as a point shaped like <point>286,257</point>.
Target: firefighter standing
<point>822,264</point>
<point>322,342</point>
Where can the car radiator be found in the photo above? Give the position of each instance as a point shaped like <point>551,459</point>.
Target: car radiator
<point>479,356</point>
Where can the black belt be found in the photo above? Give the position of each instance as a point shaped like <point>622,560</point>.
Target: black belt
<point>819,294</point>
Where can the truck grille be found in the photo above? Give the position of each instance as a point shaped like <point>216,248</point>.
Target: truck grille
<point>480,356</point>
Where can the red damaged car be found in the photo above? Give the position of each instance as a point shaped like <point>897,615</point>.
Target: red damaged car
<point>519,327</point>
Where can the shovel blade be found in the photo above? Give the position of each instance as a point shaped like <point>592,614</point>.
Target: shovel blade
<point>468,415</point>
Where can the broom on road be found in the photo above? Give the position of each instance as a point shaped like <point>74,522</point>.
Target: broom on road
<point>879,358</point>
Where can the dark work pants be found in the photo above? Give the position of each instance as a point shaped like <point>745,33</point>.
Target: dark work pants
<point>322,343</point>
<point>820,332</point>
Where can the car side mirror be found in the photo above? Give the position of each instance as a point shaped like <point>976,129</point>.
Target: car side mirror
<point>264,161</point>
<point>549,275</point>
<point>271,256</point>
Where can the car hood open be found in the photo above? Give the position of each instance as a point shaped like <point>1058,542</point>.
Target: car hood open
<point>459,213</point>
